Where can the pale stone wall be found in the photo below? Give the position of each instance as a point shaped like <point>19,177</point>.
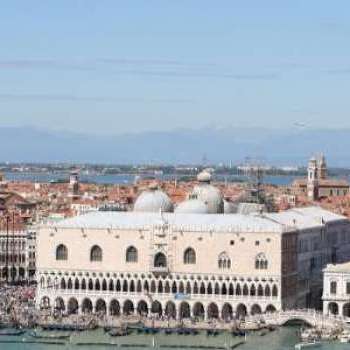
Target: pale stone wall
<point>241,248</point>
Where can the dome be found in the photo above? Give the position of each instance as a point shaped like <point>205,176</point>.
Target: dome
<point>192,206</point>
<point>207,193</point>
<point>230,207</point>
<point>204,176</point>
<point>153,200</point>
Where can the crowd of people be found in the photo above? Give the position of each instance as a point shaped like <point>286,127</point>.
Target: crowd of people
<point>17,306</point>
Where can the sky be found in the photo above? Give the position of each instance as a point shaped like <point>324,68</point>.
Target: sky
<point>109,67</point>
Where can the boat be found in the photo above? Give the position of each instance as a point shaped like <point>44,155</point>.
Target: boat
<point>344,339</point>
<point>11,332</point>
<point>303,345</point>
<point>39,335</point>
<point>119,332</point>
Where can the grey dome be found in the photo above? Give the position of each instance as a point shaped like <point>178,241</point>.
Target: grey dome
<point>204,176</point>
<point>210,195</point>
<point>153,200</point>
<point>192,206</point>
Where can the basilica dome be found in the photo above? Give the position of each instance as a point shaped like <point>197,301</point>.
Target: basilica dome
<point>153,200</point>
<point>192,206</point>
<point>208,194</point>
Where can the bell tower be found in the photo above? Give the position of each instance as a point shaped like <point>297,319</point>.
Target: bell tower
<point>322,172</point>
<point>312,179</point>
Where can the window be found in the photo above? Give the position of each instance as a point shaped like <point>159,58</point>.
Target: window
<point>257,242</point>
<point>131,255</point>
<point>160,260</point>
<point>347,287</point>
<point>232,242</point>
<point>224,261</point>
<point>96,253</point>
<point>333,287</point>
<point>261,262</point>
<point>61,252</point>
<point>189,256</point>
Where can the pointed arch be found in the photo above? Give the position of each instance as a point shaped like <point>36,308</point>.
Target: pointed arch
<point>252,290</point>
<point>274,291</point>
<point>167,287</point>
<point>132,286</point>
<point>104,284</point>
<point>245,289</point>
<point>146,286</point>
<point>118,286</point>
<point>153,286</point>
<point>139,286</point>
<point>125,286</point>
<point>111,285</point>
<point>188,287</point>
<point>195,288</point>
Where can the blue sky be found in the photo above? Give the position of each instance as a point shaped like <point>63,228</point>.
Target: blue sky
<point>128,66</point>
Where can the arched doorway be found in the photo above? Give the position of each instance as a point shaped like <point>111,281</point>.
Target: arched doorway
<point>160,260</point>
<point>213,311</point>
<point>21,272</point>
<point>128,307</point>
<point>59,305</point>
<point>198,310</point>
<point>45,303</point>
<point>346,310</point>
<point>73,306</point>
<point>101,307</point>
<point>227,312</point>
<point>170,310</point>
<point>256,310</point>
<point>156,308</point>
<point>142,308</point>
<point>86,306</point>
<point>241,311</point>
<point>114,308</point>
<point>270,309</point>
<point>13,273</point>
<point>185,311</point>
<point>333,309</point>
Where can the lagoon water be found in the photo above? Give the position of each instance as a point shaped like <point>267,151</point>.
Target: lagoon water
<point>283,338</point>
<point>129,178</point>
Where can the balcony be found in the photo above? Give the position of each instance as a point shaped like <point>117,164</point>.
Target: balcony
<point>163,270</point>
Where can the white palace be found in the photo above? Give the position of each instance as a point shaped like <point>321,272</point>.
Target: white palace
<point>194,261</point>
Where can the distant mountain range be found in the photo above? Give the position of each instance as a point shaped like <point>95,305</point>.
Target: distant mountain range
<point>180,146</point>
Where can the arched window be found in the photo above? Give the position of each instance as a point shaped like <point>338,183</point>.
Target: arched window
<point>189,256</point>
<point>224,261</point>
<point>96,253</point>
<point>61,252</point>
<point>261,262</point>
<point>160,260</point>
<point>131,255</point>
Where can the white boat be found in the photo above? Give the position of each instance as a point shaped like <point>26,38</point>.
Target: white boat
<point>345,338</point>
<point>303,345</point>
